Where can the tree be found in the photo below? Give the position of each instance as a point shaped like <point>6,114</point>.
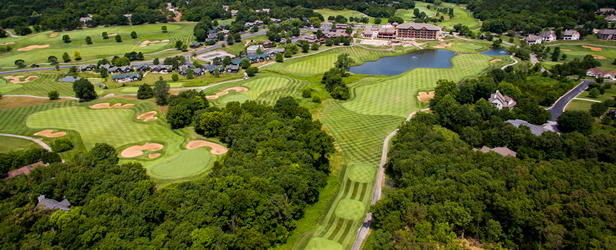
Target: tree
<point>84,89</point>
<point>226,61</point>
<point>259,51</point>
<point>556,54</point>
<point>61,145</point>
<point>600,79</point>
<point>189,74</point>
<point>76,55</point>
<point>133,35</point>
<point>104,73</point>
<point>20,63</point>
<point>597,109</point>
<point>122,61</point>
<point>145,91</point>
<point>66,57</point>
<point>344,62</point>
<point>105,35</point>
<point>279,57</point>
<point>178,44</point>
<point>53,60</point>
<point>593,93</point>
<point>175,77</point>
<point>156,61</point>
<point>245,63</point>
<point>53,95</point>
<point>564,57</point>
<point>315,22</point>
<point>319,33</point>
<point>251,71</point>
<point>161,91</point>
<point>179,116</point>
<point>118,38</point>
<point>377,21</point>
<point>348,30</point>
<point>184,47</point>
<point>88,40</point>
<point>305,47</point>
<point>315,46</point>
<point>216,72</point>
<point>164,28</point>
<point>572,121</point>
<point>66,39</point>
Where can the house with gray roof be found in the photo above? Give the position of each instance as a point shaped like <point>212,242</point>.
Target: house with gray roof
<point>504,151</point>
<point>572,35</point>
<point>535,129</point>
<point>533,39</point>
<point>233,68</point>
<point>502,101</point>
<point>547,36</point>
<point>130,77</point>
<point>86,67</point>
<point>607,34</point>
<point>44,203</point>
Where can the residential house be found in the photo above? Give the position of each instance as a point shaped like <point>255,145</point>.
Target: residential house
<point>226,7</point>
<point>198,71</point>
<point>571,35</point>
<point>533,39</point>
<point>84,20</point>
<point>547,36</point>
<point>606,10</point>
<point>273,52</point>
<point>248,24</point>
<point>23,170</point>
<point>611,18</point>
<point>597,72</point>
<point>233,12</point>
<point>142,68</point>
<point>212,70</point>
<point>341,26</point>
<point>44,203</point>
<point>162,69</point>
<point>195,45</point>
<point>233,68</point>
<point>607,34</point>
<point>212,37</point>
<point>225,32</point>
<point>386,32</point>
<point>267,44</point>
<point>237,61</point>
<point>128,16</point>
<point>130,77</point>
<point>258,22</point>
<point>504,151</point>
<point>424,31</point>
<point>501,101</point>
<point>535,129</point>
<point>276,20</point>
<point>86,67</point>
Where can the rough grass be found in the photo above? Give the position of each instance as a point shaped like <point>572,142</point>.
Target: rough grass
<point>10,143</point>
<point>100,47</point>
<point>321,62</point>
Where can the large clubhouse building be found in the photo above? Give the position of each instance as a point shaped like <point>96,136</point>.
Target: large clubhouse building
<point>424,31</point>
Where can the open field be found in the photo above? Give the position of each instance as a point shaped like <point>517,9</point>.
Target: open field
<point>578,51</point>
<point>408,15</point>
<point>100,47</point>
<point>321,62</point>
<point>10,143</point>
<point>346,13</point>
<point>460,16</point>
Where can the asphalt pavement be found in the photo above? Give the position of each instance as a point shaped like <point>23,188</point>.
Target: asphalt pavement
<point>559,106</point>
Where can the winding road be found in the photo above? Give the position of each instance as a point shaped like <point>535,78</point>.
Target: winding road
<point>559,106</point>
<point>37,141</point>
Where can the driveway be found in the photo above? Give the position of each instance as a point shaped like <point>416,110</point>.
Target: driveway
<point>559,106</point>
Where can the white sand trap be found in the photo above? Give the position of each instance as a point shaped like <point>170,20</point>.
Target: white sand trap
<point>53,35</point>
<point>216,148</point>
<point>31,47</point>
<point>444,45</point>
<point>106,106</point>
<point>48,133</point>
<point>425,97</point>
<point>7,43</point>
<point>226,91</point>
<point>496,60</point>
<point>137,150</point>
<point>15,79</point>
<point>152,156</point>
<point>148,116</point>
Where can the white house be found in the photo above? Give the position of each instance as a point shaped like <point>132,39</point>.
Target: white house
<point>597,72</point>
<point>571,35</point>
<point>547,36</point>
<point>501,101</point>
<point>533,39</point>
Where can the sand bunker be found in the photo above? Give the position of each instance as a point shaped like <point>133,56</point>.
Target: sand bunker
<point>565,50</point>
<point>146,43</point>
<point>444,45</point>
<point>599,57</point>
<point>425,97</point>
<point>7,43</point>
<point>48,133</point>
<point>216,148</point>
<point>496,60</point>
<point>152,156</point>
<point>149,116</point>
<point>53,34</point>
<point>164,41</point>
<point>106,106</point>
<point>592,48</point>
<point>15,79</point>
<point>226,91</point>
<point>31,47</point>
<point>137,150</point>
<point>114,34</point>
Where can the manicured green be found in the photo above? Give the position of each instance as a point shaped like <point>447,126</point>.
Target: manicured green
<point>318,243</point>
<point>350,209</point>
<point>263,88</point>
<point>40,87</point>
<point>362,173</point>
<point>577,51</point>
<point>11,143</point>
<point>185,163</point>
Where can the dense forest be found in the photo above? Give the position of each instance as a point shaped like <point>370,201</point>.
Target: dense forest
<point>276,165</point>
<point>559,193</point>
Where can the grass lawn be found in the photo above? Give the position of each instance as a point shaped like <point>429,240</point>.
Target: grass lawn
<point>577,51</point>
<point>40,87</point>
<point>346,13</point>
<point>265,88</point>
<point>100,47</point>
<point>10,143</point>
<point>408,15</point>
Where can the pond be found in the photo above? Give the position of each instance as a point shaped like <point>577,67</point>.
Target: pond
<point>496,52</point>
<point>395,65</point>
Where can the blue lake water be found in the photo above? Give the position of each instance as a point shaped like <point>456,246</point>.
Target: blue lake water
<point>395,65</point>
<point>496,52</point>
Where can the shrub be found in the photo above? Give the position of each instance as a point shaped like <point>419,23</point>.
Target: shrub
<point>145,91</point>
<point>606,120</point>
<point>251,71</point>
<point>61,145</point>
<point>118,38</point>
<point>594,93</point>
<point>597,109</point>
<point>306,93</point>
<point>53,95</point>
<point>316,99</point>
<point>174,77</point>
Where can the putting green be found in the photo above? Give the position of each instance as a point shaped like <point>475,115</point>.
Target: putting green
<point>318,243</point>
<point>175,84</point>
<point>234,98</point>
<point>132,90</point>
<point>184,164</point>
<point>362,173</point>
<point>350,209</point>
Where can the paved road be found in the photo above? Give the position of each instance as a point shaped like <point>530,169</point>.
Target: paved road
<point>559,106</point>
<point>511,64</point>
<point>37,141</point>
<point>376,195</point>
